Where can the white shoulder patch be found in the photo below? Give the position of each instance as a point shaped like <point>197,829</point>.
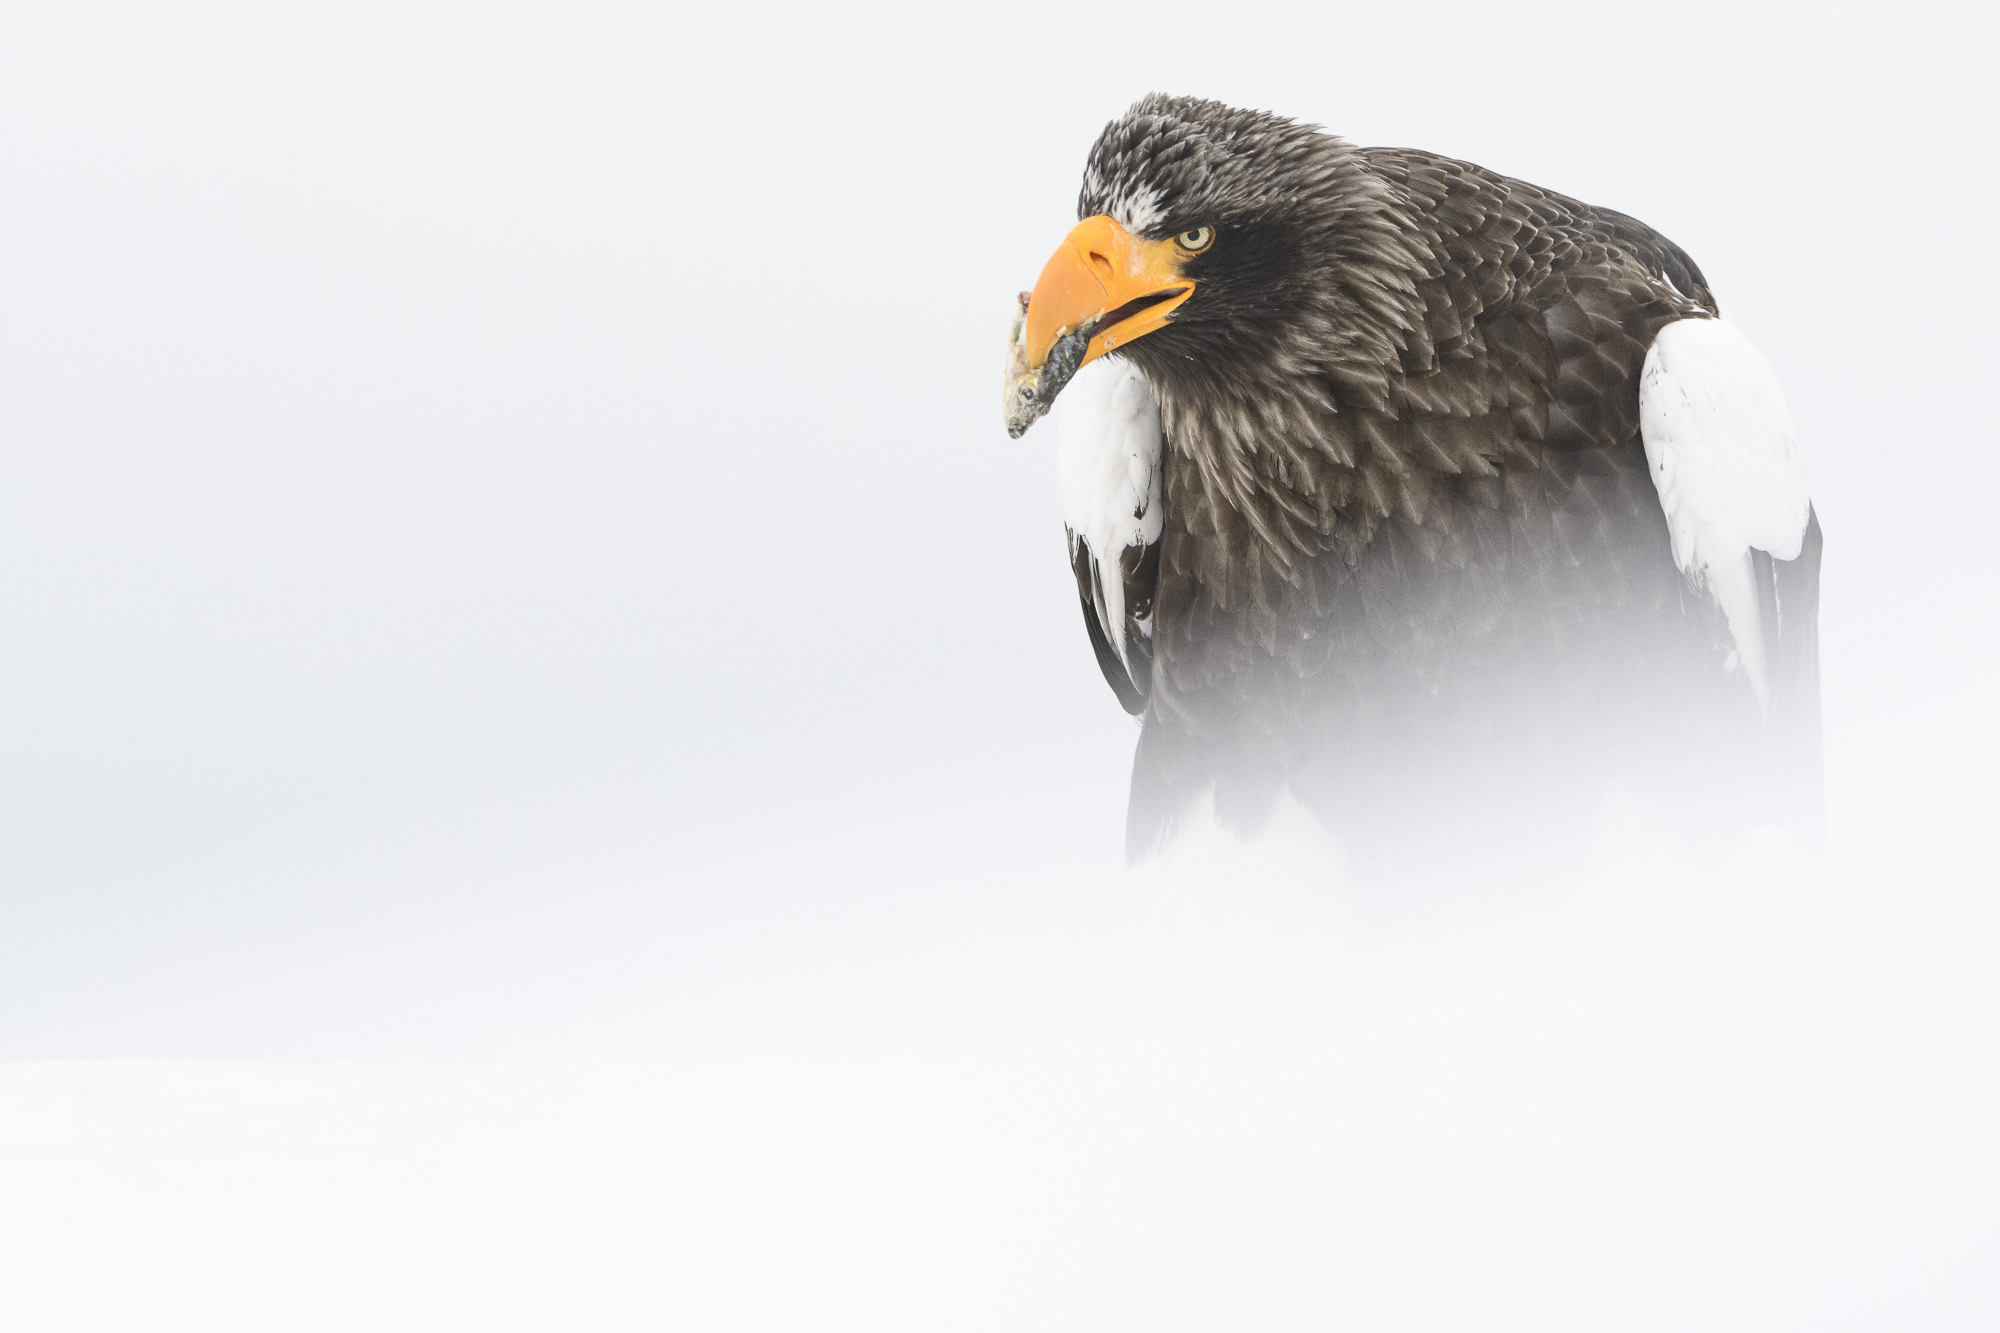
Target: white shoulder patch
<point>1724,459</point>
<point>1108,443</point>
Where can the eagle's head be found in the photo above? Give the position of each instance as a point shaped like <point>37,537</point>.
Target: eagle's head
<point>1216,246</point>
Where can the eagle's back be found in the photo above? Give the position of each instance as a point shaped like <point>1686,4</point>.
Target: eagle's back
<point>1452,595</point>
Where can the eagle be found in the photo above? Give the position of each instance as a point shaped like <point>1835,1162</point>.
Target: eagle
<point>1443,504</point>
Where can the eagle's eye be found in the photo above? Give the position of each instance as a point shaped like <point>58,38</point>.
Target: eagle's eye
<point>1196,239</point>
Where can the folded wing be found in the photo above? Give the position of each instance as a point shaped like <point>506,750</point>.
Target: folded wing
<point>1725,462</point>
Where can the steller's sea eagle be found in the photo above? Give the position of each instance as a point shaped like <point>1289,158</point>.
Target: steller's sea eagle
<point>1444,503</point>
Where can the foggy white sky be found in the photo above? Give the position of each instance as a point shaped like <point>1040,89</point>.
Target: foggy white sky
<point>508,549</point>
<point>473,471</point>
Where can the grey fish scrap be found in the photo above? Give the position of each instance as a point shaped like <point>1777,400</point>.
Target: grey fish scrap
<point>1028,395</point>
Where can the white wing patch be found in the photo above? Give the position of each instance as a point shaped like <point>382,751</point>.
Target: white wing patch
<point>1108,470</point>
<point>1724,459</point>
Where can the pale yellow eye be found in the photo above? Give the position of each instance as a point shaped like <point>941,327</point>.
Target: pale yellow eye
<point>1196,239</point>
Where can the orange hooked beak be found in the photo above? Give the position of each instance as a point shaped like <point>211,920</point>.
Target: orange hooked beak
<point>1101,289</point>
<point>1102,278</point>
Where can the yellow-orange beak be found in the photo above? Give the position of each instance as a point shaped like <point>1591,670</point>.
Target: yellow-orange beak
<point>1102,273</point>
<point>1101,289</point>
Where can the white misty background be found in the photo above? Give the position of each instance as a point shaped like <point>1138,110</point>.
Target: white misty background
<point>551,775</point>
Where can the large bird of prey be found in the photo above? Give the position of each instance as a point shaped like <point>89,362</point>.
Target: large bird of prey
<point>1446,504</point>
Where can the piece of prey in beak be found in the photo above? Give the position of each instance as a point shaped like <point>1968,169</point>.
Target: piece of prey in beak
<point>1102,288</point>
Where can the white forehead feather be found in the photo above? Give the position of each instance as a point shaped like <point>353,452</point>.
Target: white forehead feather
<point>1136,208</point>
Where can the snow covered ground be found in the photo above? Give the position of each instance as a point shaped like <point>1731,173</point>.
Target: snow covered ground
<point>1650,1109</point>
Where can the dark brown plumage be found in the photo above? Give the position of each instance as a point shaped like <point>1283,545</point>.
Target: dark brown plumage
<point>1413,567</point>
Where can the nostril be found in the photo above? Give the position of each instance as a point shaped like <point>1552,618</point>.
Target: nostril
<point>1101,264</point>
